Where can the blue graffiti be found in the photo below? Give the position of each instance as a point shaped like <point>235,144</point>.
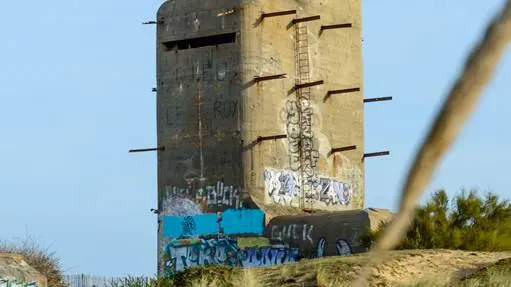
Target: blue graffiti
<point>268,256</point>
<point>321,248</point>
<point>343,247</point>
<point>247,221</point>
<point>230,222</point>
<point>186,253</point>
<point>185,226</point>
<point>222,251</point>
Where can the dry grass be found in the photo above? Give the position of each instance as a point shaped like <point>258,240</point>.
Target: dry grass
<point>458,106</point>
<point>404,268</point>
<point>41,259</point>
<point>497,274</point>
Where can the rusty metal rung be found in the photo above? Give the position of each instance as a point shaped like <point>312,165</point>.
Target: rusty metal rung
<point>162,148</point>
<point>258,79</point>
<point>306,19</point>
<point>153,22</point>
<point>280,13</point>
<point>341,149</point>
<point>375,154</point>
<point>343,91</point>
<point>377,99</point>
<point>260,139</point>
<point>336,26</point>
<point>311,84</point>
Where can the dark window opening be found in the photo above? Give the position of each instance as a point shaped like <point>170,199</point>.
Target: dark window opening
<point>201,42</point>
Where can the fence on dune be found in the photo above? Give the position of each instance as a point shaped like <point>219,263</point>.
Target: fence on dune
<point>84,280</point>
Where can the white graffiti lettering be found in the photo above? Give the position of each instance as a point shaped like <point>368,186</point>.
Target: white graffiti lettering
<point>284,187</point>
<point>286,233</point>
<point>219,195</point>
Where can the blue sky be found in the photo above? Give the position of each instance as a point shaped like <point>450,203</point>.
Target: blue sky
<point>75,96</point>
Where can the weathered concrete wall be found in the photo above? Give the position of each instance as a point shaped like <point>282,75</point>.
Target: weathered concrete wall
<point>327,233</point>
<point>214,120</point>
<point>15,272</point>
<point>285,171</point>
<point>200,173</point>
<point>198,110</point>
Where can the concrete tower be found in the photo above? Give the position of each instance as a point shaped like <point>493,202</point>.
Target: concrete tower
<point>260,109</point>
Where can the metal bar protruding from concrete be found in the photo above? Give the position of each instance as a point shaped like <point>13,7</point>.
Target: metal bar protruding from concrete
<point>306,19</point>
<point>341,149</point>
<point>258,79</point>
<point>375,154</point>
<point>336,26</point>
<point>372,100</point>
<point>155,90</point>
<point>310,84</point>
<point>342,91</point>
<point>152,22</point>
<point>275,14</point>
<point>162,148</point>
<point>260,139</point>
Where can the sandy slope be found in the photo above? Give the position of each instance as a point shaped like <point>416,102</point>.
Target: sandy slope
<point>440,265</point>
<point>402,268</point>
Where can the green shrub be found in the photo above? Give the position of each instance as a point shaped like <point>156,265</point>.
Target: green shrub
<point>471,222</point>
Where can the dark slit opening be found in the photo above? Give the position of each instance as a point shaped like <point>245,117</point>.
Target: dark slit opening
<point>201,42</point>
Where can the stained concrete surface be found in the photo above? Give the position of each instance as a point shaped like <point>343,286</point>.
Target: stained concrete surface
<point>232,142</point>
<point>14,271</point>
<point>326,233</point>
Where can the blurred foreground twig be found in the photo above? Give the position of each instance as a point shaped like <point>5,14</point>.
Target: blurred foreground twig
<point>458,106</point>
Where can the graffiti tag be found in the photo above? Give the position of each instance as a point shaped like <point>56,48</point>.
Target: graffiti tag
<point>292,232</point>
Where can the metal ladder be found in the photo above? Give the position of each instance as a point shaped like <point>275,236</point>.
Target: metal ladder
<point>302,52</point>
<point>303,94</point>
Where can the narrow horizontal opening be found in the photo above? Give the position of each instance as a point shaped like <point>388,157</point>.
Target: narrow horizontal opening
<point>201,42</point>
